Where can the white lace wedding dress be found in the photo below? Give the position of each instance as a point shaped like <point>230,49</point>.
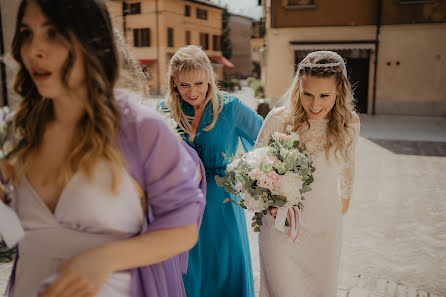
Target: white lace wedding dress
<point>309,267</point>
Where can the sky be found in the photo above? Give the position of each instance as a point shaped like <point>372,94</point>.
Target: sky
<point>243,7</point>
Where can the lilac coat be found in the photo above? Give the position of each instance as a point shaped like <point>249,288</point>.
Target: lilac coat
<point>165,168</point>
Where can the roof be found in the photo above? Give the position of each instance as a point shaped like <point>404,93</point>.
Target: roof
<point>222,60</point>
<point>207,3</point>
<point>243,16</point>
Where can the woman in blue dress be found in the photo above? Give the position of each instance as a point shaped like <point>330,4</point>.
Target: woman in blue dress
<point>213,123</point>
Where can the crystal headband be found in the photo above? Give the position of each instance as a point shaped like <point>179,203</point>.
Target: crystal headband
<point>328,65</point>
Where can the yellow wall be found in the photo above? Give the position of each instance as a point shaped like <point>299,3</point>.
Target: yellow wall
<point>414,87</point>
<point>278,70</point>
<point>171,15</point>
<point>417,84</point>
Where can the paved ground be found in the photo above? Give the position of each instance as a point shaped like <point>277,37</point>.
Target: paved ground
<point>395,232</point>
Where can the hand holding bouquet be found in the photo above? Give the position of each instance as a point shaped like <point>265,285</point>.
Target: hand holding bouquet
<point>272,176</point>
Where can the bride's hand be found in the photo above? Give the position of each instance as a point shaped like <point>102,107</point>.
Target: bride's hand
<point>3,196</point>
<point>345,204</point>
<point>82,275</point>
<point>2,193</point>
<point>273,212</point>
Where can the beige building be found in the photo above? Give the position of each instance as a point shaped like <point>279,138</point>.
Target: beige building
<point>257,45</point>
<point>407,39</point>
<point>240,34</point>
<point>155,29</point>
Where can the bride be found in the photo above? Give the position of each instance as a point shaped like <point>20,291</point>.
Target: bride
<point>319,106</point>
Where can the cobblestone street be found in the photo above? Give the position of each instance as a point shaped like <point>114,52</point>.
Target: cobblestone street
<point>394,241</point>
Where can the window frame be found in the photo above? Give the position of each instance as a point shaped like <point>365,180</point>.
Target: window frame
<point>216,42</point>
<point>202,14</point>
<point>142,37</point>
<point>290,6</point>
<point>134,8</point>
<point>204,41</point>
<point>413,2</point>
<point>170,37</point>
<point>188,37</point>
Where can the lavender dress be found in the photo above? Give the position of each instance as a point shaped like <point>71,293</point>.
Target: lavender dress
<point>87,216</point>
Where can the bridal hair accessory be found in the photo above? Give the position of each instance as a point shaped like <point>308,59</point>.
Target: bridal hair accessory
<point>327,65</point>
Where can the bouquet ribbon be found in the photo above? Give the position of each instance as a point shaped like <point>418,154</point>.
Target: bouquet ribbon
<point>294,219</point>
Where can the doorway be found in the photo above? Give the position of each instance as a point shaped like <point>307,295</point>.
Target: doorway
<point>358,64</point>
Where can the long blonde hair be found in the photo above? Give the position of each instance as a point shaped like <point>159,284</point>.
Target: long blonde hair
<point>96,132</point>
<point>325,64</point>
<point>187,59</point>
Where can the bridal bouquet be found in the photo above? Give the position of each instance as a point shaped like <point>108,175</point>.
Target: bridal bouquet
<point>276,175</point>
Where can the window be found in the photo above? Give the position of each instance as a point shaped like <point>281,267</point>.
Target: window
<point>187,10</point>
<point>135,8</point>
<point>202,14</point>
<point>188,38</point>
<point>204,41</point>
<point>141,37</point>
<point>170,37</point>
<point>216,42</point>
<point>298,4</point>
<point>416,1</point>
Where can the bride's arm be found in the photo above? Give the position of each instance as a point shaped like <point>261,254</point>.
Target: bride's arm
<point>270,125</point>
<point>347,174</point>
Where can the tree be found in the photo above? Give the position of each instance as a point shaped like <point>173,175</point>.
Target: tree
<point>226,38</point>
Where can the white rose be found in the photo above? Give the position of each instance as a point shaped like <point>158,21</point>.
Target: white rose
<point>290,185</point>
<point>256,157</point>
<point>251,203</point>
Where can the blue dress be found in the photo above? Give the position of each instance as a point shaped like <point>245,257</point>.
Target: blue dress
<point>220,264</point>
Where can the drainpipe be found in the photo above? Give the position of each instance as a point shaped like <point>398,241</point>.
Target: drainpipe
<point>378,31</point>
<point>158,66</point>
<point>2,64</point>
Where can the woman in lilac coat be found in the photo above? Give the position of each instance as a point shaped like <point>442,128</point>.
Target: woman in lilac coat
<point>108,197</point>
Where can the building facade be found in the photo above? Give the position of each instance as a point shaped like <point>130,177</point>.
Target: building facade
<point>395,50</point>
<point>155,29</point>
<point>257,44</point>
<point>241,31</point>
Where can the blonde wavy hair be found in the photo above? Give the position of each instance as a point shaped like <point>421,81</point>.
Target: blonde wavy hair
<point>96,132</point>
<point>340,133</point>
<point>189,59</point>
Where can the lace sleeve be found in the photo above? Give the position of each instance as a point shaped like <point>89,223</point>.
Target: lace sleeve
<point>346,178</point>
<point>271,124</point>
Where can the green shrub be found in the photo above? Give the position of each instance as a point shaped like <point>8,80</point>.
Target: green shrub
<point>259,89</point>
<point>236,83</point>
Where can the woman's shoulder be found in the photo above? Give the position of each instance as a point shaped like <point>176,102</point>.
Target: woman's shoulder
<point>133,111</point>
<point>230,100</point>
<point>277,112</point>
